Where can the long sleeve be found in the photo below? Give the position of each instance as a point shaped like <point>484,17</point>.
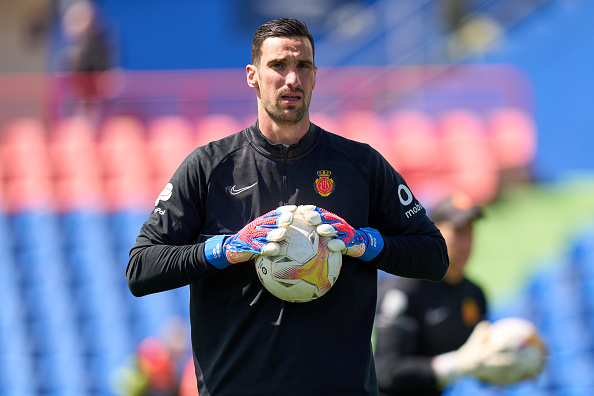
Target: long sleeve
<point>422,256</point>
<point>156,268</point>
<point>169,251</point>
<point>413,245</point>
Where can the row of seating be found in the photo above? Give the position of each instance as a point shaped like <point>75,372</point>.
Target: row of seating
<point>124,162</point>
<point>67,319</point>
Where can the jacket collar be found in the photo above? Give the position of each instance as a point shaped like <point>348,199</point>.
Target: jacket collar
<point>262,144</point>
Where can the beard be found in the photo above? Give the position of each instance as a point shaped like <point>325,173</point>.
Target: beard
<point>283,117</point>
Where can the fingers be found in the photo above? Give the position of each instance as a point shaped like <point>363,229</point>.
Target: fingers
<point>287,208</point>
<point>285,219</point>
<point>336,245</point>
<point>277,234</point>
<point>479,333</point>
<point>310,214</point>
<point>270,249</point>
<point>326,230</point>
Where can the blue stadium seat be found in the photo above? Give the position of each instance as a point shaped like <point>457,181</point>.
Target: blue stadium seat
<point>582,255</point>
<point>16,360</point>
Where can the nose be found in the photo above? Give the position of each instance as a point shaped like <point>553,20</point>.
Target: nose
<point>292,78</point>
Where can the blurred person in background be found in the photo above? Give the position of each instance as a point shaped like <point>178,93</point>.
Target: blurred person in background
<point>87,56</point>
<point>159,366</point>
<point>419,323</point>
<point>233,198</point>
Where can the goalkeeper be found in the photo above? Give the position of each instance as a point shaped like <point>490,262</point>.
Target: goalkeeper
<point>232,199</point>
<point>423,328</point>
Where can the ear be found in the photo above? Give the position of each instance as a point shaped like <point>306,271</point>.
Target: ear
<point>252,76</point>
<point>314,80</point>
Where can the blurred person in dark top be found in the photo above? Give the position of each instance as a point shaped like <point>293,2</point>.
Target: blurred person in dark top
<point>419,323</point>
<point>87,56</point>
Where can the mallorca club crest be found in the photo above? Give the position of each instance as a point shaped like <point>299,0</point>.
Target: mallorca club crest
<point>324,185</point>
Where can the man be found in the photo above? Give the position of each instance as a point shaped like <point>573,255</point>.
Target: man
<point>220,210</point>
<point>420,323</point>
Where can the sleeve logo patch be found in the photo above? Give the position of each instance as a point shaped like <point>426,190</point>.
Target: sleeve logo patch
<point>324,185</point>
<point>165,194</point>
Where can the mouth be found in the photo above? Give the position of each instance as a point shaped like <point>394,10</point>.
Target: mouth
<point>291,97</point>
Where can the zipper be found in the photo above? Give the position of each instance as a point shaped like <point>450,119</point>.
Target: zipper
<point>285,152</point>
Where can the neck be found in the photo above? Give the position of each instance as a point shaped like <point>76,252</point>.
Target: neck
<point>283,134</point>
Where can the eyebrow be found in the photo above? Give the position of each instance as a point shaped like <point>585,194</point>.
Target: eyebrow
<point>285,59</point>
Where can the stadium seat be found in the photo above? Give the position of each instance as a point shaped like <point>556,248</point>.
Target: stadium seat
<point>366,127</point>
<point>126,165</point>
<point>17,371</point>
<point>38,245</point>
<point>512,135</point>
<point>415,142</point>
<point>214,127</point>
<point>469,163</point>
<point>26,165</point>
<point>77,171</point>
<point>170,140</point>
<point>325,122</point>
<point>582,255</point>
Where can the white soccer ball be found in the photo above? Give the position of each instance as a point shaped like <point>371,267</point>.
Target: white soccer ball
<point>304,269</point>
<point>519,341</point>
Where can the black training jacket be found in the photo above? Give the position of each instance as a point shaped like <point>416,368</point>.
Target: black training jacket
<point>246,341</point>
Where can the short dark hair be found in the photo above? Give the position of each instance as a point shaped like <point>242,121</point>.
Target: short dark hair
<point>281,27</point>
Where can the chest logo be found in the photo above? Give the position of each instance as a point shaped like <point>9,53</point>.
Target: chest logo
<point>235,191</point>
<point>324,185</point>
<point>471,313</point>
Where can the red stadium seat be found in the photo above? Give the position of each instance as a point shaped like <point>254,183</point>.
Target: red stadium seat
<point>170,140</point>
<point>415,142</point>
<point>126,165</point>
<point>215,127</point>
<point>366,127</point>
<point>513,137</point>
<point>77,171</point>
<point>325,122</point>
<point>470,165</point>
<point>26,165</point>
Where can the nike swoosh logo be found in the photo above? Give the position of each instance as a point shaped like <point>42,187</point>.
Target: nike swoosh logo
<point>437,315</point>
<point>235,191</point>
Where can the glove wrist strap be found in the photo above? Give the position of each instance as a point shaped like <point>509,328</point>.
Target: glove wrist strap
<point>214,253</point>
<point>375,243</point>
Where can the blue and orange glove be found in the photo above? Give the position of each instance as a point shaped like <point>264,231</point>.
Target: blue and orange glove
<point>365,243</point>
<point>260,236</point>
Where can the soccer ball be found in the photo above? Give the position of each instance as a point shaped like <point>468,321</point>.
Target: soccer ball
<point>519,339</point>
<point>305,269</point>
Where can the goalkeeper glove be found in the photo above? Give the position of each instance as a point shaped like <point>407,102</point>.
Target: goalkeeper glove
<point>257,237</point>
<point>480,359</point>
<point>365,243</point>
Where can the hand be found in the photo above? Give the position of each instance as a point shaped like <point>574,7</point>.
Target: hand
<point>260,236</point>
<point>364,243</point>
<point>466,360</point>
<point>480,359</point>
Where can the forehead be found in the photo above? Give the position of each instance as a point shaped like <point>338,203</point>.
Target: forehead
<point>283,47</point>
